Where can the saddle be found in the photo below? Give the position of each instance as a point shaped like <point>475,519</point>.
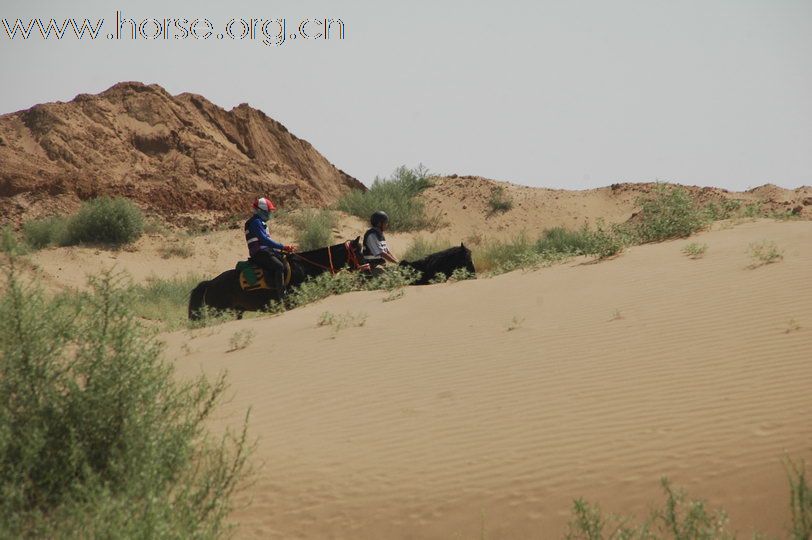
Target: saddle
<point>253,278</point>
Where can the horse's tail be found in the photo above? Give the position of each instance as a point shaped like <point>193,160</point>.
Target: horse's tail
<point>196,300</point>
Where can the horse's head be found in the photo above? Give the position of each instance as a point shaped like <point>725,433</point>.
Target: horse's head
<point>355,255</point>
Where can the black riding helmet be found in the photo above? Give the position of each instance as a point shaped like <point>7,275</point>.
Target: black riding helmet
<point>379,217</point>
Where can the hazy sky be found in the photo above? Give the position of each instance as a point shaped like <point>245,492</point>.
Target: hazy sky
<point>568,93</point>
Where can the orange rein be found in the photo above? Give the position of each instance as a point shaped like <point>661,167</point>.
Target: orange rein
<point>350,257</point>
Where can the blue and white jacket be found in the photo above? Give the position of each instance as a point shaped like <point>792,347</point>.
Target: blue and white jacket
<point>257,238</point>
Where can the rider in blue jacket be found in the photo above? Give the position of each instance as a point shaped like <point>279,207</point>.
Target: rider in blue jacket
<point>262,249</point>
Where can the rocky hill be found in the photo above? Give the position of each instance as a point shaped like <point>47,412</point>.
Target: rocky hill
<point>173,155</point>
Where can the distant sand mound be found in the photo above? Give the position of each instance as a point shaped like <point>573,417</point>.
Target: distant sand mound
<point>462,202</point>
<point>171,154</point>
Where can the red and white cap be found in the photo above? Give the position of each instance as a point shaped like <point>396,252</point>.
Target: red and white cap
<point>263,204</point>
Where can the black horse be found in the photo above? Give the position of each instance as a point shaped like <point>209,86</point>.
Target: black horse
<point>224,291</point>
<point>445,261</point>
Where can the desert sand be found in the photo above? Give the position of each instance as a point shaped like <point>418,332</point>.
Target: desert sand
<point>478,409</point>
<point>485,407</point>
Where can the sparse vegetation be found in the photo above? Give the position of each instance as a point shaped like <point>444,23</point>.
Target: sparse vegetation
<point>792,326</point>
<point>499,201</point>
<point>342,321</point>
<point>765,252</point>
<point>398,197</point>
<point>800,501</point>
<point>695,250</point>
<point>515,323</point>
<point>241,339</point>
<point>679,519</point>
<point>180,246</point>
<point>97,440</point>
<point>164,300</point>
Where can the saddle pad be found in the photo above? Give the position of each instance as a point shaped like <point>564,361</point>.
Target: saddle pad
<point>252,277</point>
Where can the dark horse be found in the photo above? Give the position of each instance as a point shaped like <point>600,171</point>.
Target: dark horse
<point>445,261</point>
<point>224,291</point>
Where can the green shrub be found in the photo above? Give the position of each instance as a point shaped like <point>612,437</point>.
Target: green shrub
<point>499,200</point>
<point>397,196</point>
<point>669,212</point>
<point>561,240</point>
<point>44,232</point>
<point>314,228</point>
<point>504,256</point>
<point>105,220</point>
<point>606,241</point>
<point>97,439</point>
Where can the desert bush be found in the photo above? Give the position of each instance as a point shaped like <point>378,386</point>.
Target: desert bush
<point>561,240</point>
<point>97,439</point>
<point>607,240</point>
<point>105,220</point>
<point>392,277</point>
<point>679,519</point>
<point>765,252</point>
<point>669,212</point>
<point>499,201</point>
<point>41,233</point>
<point>314,228</point>
<point>503,256</point>
<point>397,196</point>
<point>324,285</point>
<point>241,339</point>
<point>695,250</point>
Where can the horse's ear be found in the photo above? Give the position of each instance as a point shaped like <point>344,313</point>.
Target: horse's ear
<point>462,245</point>
<point>357,239</point>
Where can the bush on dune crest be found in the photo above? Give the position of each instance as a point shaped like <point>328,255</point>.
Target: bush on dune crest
<point>96,437</point>
<point>397,196</point>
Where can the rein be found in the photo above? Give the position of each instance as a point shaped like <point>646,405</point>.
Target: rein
<point>351,257</point>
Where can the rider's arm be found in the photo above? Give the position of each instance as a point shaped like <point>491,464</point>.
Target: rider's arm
<point>264,239</point>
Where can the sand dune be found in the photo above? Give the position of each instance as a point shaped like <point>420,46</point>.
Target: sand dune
<point>492,404</point>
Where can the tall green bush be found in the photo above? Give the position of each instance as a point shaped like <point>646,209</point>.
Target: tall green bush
<point>105,220</point>
<point>669,212</point>
<point>97,439</point>
<point>397,196</point>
